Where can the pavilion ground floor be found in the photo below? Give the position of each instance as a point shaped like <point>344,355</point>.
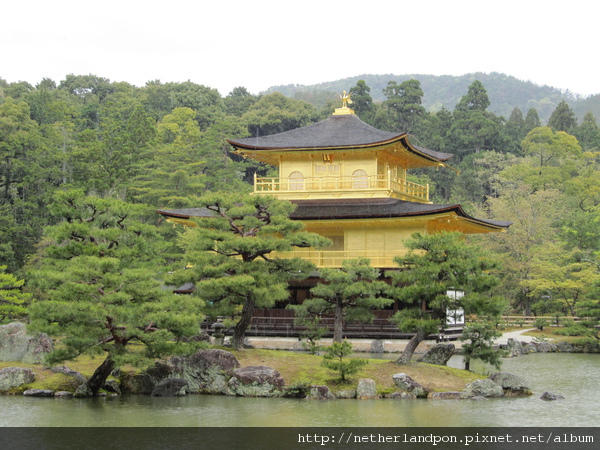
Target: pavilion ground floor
<point>280,323</point>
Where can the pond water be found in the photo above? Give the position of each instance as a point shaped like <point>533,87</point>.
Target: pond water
<point>575,376</point>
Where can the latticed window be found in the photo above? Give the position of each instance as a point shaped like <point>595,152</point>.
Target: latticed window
<point>360,179</point>
<point>296,181</point>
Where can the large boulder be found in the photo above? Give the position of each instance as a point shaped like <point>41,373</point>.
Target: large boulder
<point>512,385</point>
<point>170,387</point>
<point>12,377</point>
<point>70,373</point>
<point>112,386</point>
<point>448,395</point>
<point>529,348</point>
<point>549,396</point>
<point>376,346</point>
<point>144,382</point>
<point>207,371</point>
<point>545,347</point>
<point>346,393</point>
<point>401,395</point>
<point>366,389</point>
<point>407,384</point>
<point>514,347</point>
<point>566,347</point>
<point>318,392</point>
<point>483,388</point>
<point>83,391</point>
<point>256,381</point>
<point>38,393</point>
<point>63,394</point>
<point>438,354</point>
<point>17,345</point>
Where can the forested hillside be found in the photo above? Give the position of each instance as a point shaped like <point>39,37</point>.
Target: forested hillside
<point>163,145</point>
<point>505,92</point>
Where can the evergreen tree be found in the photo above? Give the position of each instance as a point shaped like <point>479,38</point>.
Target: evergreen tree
<point>334,360</point>
<point>435,264</point>
<point>563,118</point>
<point>232,259</point>
<point>98,280</point>
<point>515,130</point>
<point>351,293</point>
<point>478,343</point>
<point>532,120</point>
<point>588,133</point>
<point>29,172</point>
<point>475,129</point>
<point>476,98</point>
<point>13,301</point>
<point>403,104</point>
<point>239,101</point>
<point>362,102</point>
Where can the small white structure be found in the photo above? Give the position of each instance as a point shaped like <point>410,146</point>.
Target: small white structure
<point>454,315</point>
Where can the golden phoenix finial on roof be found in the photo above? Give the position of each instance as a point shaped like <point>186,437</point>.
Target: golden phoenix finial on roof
<point>346,99</point>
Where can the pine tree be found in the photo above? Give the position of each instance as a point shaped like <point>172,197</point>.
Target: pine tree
<point>435,263</point>
<point>563,118</point>
<point>231,260</point>
<point>351,293</point>
<point>362,102</point>
<point>532,120</point>
<point>478,340</point>
<point>515,130</point>
<point>99,274</point>
<point>404,104</point>
<point>13,300</point>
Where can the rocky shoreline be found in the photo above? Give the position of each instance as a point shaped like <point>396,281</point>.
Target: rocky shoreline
<point>517,348</point>
<point>218,372</point>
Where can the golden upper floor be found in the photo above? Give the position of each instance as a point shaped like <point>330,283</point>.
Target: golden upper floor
<point>340,157</point>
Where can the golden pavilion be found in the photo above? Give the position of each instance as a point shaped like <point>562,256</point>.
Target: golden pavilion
<point>349,182</point>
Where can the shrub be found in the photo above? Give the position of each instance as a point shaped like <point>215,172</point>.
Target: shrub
<point>575,330</point>
<point>540,324</point>
<point>334,360</point>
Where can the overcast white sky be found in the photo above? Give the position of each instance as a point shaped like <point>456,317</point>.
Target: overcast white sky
<point>261,43</point>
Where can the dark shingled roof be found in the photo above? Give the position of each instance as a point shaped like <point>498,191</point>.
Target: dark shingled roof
<point>344,131</point>
<point>353,209</point>
<point>376,208</point>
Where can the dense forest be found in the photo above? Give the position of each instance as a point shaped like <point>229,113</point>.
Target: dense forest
<point>163,145</point>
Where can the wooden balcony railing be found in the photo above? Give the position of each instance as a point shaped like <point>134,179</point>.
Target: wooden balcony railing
<point>384,185</point>
<point>335,258</point>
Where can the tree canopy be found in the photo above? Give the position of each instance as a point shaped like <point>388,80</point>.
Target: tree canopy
<point>434,265</point>
<point>351,293</point>
<point>98,278</point>
<point>232,255</point>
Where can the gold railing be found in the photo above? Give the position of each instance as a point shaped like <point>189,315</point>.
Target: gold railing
<point>335,258</point>
<point>356,184</point>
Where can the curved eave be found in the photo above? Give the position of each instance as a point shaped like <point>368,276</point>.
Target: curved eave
<point>493,224</point>
<point>239,147</point>
<point>442,157</point>
<point>308,210</point>
<point>269,154</point>
<point>496,226</point>
<point>355,209</point>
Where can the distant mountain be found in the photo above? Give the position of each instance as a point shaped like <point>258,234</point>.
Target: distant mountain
<point>505,92</point>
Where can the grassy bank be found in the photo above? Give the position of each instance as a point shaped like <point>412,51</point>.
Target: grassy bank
<point>295,368</point>
<point>303,368</point>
